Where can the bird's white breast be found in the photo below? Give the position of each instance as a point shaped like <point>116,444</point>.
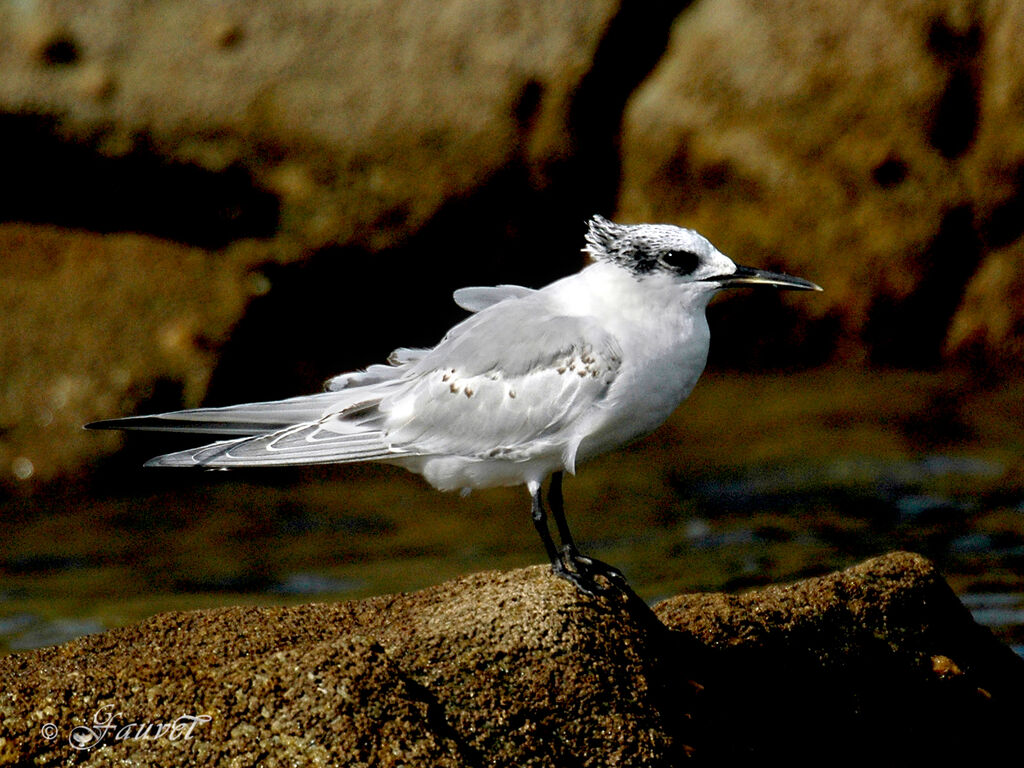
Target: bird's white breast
<point>663,333</point>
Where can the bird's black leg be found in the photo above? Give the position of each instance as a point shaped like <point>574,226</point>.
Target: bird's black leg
<point>540,522</point>
<point>570,552</point>
<point>570,564</point>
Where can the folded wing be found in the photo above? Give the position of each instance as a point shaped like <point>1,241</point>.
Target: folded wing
<point>511,381</point>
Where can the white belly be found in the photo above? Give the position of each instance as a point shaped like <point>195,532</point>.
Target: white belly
<point>644,397</point>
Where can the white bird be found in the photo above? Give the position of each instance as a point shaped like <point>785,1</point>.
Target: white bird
<point>532,384</point>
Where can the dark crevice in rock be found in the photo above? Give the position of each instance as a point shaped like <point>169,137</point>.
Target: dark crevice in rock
<point>528,104</point>
<point>891,172</point>
<point>50,180</point>
<point>60,50</point>
<point>1005,223</point>
<point>955,119</point>
<point>437,719</point>
<point>953,123</point>
<point>635,41</point>
<point>910,332</point>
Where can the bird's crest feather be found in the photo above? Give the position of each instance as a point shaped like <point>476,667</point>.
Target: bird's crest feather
<point>603,237</point>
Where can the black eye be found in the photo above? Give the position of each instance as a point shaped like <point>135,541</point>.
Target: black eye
<point>681,262</point>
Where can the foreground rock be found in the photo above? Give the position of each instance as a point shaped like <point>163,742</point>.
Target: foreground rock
<point>519,669</point>
<point>879,664</point>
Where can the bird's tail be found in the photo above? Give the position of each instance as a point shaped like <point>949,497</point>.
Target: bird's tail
<point>326,428</point>
<point>235,420</point>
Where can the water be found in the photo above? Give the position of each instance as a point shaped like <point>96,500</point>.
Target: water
<point>1002,612</point>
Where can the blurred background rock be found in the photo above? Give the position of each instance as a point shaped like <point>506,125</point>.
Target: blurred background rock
<point>212,202</point>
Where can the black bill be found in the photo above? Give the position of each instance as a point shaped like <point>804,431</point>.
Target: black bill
<point>750,276</point>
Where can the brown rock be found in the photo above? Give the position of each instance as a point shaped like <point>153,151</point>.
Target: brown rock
<point>499,669</point>
<point>989,326</point>
<point>520,669</point>
<point>361,118</point>
<point>879,659</point>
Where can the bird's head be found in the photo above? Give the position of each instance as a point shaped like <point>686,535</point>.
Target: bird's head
<point>682,255</point>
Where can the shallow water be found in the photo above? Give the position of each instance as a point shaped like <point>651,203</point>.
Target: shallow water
<point>755,480</point>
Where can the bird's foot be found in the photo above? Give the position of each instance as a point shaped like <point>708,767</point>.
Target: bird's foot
<point>592,577</point>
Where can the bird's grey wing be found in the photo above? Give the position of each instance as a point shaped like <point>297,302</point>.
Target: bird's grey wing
<point>508,381</point>
<point>478,297</point>
<point>472,299</point>
<point>505,383</point>
<point>510,336</point>
<point>247,419</point>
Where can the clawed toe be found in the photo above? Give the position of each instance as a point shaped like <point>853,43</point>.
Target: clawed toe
<point>592,577</point>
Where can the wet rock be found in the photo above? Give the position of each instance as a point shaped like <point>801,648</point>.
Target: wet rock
<point>519,669</point>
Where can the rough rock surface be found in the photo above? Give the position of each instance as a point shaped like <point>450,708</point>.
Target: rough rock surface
<point>492,669</point>
<point>520,669</point>
<point>878,660</point>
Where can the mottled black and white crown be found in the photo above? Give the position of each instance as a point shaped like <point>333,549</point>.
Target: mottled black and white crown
<point>685,256</point>
<point>647,248</point>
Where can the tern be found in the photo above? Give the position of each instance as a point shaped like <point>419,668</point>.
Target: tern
<point>529,386</point>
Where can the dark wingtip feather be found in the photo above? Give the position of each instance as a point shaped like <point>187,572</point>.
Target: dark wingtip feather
<point>104,424</point>
<point>168,423</point>
<point>149,423</point>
